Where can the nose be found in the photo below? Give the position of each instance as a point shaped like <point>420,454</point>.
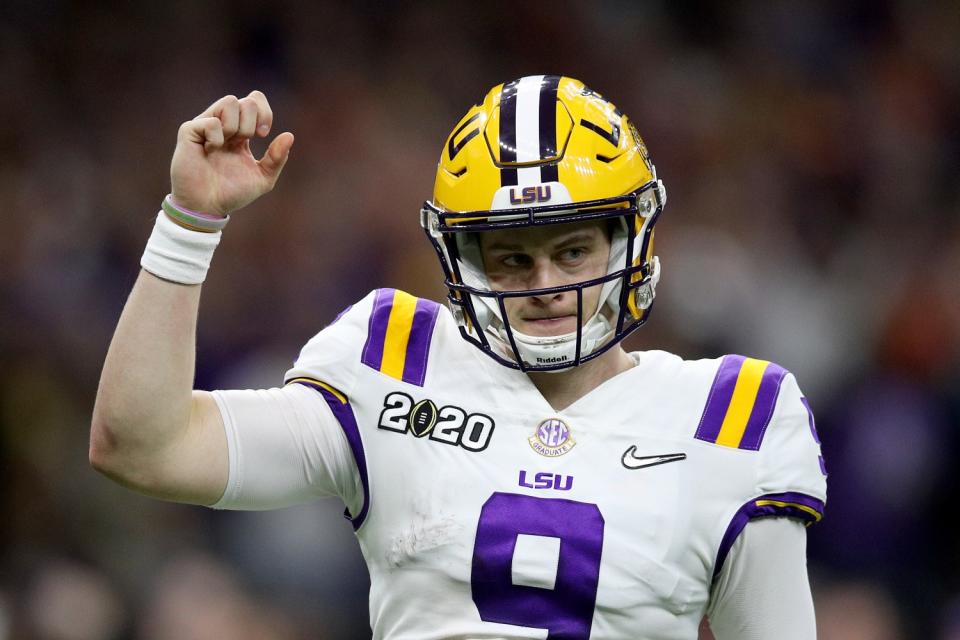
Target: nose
<point>545,274</point>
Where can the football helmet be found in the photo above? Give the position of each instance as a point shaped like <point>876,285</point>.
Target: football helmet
<point>545,150</point>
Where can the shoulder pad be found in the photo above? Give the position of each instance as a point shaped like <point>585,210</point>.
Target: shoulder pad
<point>399,334</point>
<point>389,331</point>
<point>741,402</point>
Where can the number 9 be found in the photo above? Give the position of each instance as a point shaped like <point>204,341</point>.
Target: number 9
<point>566,611</point>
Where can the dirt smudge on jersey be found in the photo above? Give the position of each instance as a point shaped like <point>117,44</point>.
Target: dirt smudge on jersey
<point>427,531</point>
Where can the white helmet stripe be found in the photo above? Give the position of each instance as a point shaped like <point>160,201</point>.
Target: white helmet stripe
<point>528,119</point>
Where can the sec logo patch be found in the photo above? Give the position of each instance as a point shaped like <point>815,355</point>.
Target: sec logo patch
<point>552,438</point>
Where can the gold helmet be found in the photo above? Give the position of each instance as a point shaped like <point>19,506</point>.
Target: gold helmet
<point>545,150</point>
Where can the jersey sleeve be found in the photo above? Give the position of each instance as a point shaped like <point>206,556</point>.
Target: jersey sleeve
<point>285,447</point>
<point>761,590</point>
<point>756,406</point>
<point>791,476</point>
<point>389,331</point>
<point>298,442</point>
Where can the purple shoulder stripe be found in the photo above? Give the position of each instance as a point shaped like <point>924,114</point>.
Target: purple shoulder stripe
<point>741,401</point>
<point>348,422</point>
<point>721,392</point>
<point>372,354</point>
<point>399,335</point>
<point>789,504</point>
<point>763,406</point>
<point>418,346</point>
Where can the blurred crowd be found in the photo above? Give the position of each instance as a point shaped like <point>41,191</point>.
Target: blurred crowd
<point>811,151</point>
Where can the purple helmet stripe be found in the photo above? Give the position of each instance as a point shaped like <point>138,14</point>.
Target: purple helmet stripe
<point>789,504</point>
<point>548,127</point>
<point>418,346</point>
<point>763,406</point>
<point>348,422</point>
<point>721,392</point>
<point>454,148</point>
<point>372,354</point>
<point>508,132</point>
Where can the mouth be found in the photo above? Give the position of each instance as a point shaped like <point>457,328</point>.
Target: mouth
<point>551,324</point>
<point>549,319</point>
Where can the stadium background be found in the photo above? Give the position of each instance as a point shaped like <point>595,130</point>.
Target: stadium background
<point>811,151</point>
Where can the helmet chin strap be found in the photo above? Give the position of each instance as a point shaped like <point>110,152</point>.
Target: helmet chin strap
<point>544,350</point>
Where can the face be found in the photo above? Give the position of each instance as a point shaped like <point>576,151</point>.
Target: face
<point>541,257</point>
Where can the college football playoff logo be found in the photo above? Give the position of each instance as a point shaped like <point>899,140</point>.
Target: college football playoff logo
<point>552,438</point>
<point>447,424</point>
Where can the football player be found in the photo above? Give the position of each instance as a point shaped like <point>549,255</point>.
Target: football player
<point>509,469</point>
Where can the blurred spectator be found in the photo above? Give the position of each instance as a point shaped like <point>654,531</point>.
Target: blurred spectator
<point>857,611</point>
<point>69,601</point>
<point>197,598</point>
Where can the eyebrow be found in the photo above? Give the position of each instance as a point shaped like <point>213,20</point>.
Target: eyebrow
<point>578,237</point>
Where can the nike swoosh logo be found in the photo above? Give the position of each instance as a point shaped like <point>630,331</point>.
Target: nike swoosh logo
<point>632,461</point>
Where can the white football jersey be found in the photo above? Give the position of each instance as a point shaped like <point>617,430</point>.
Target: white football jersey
<point>484,513</point>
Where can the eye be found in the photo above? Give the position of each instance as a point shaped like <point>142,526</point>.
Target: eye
<point>573,254</point>
<point>516,260</point>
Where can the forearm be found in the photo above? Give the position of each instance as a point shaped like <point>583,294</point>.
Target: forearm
<point>144,399</point>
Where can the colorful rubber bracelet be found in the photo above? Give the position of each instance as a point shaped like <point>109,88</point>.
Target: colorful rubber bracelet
<point>193,220</point>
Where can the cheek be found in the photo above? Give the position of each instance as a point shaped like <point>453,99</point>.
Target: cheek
<point>598,264</point>
<point>512,305</point>
<point>507,280</point>
<point>591,298</point>
<point>498,281</point>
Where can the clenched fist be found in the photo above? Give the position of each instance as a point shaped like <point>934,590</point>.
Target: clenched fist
<point>213,170</point>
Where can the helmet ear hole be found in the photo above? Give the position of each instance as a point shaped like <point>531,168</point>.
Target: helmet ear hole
<point>613,224</point>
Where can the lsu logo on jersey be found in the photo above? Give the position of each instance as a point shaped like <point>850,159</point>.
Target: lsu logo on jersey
<point>545,480</point>
<point>448,424</point>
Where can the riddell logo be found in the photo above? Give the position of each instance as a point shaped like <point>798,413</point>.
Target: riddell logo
<point>552,360</point>
<point>528,195</point>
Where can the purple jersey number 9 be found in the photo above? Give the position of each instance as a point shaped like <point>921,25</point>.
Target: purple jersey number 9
<point>566,611</point>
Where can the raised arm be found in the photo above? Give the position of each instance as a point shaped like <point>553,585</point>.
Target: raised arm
<point>150,431</point>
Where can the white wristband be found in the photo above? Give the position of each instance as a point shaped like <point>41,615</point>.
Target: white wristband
<point>178,254</point>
